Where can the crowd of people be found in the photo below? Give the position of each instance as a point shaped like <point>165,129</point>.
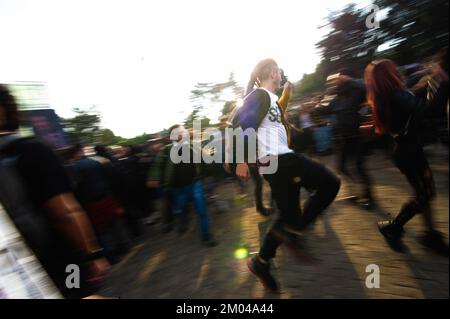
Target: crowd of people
<point>89,207</point>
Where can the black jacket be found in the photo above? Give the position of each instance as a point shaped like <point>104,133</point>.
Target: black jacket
<point>345,106</point>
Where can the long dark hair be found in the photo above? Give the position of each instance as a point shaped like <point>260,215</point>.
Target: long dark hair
<point>382,78</point>
<point>9,107</point>
<point>260,73</point>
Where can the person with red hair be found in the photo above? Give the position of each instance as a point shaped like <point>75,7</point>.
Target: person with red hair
<point>398,112</point>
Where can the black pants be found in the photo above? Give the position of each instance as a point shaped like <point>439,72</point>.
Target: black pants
<point>257,180</point>
<point>168,199</point>
<point>295,171</point>
<point>354,149</point>
<point>306,141</point>
<point>412,162</point>
<point>167,207</point>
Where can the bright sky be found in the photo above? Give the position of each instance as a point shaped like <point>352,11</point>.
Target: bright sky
<point>138,60</point>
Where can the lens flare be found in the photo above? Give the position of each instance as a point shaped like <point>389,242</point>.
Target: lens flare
<point>241,253</point>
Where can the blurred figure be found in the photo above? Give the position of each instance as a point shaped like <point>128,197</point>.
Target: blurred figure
<point>154,146</point>
<point>323,135</point>
<point>50,219</point>
<point>149,195</point>
<point>94,191</point>
<point>350,95</point>
<point>105,152</point>
<point>284,93</point>
<point>293,119</point>
<point>428,88</point>
<point>130,188</point>
<point>306,140</point>
<point>182,180</point>
<point>213,173</point>
<point>399,113</point>
<point>256,178</point>
<point>263,109</point>
<point>159,165</point>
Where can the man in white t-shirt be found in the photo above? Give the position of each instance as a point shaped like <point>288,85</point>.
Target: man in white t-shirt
<point>263,112</point>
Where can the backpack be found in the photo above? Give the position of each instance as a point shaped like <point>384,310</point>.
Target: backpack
<point>234,123</point>
<point>16,201</point>
<point>21,226</point>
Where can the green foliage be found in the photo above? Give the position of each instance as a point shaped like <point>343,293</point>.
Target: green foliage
<point>415,30</point>
<point>419,27</point>
<point>206,96</point>
<point>84,127</point>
